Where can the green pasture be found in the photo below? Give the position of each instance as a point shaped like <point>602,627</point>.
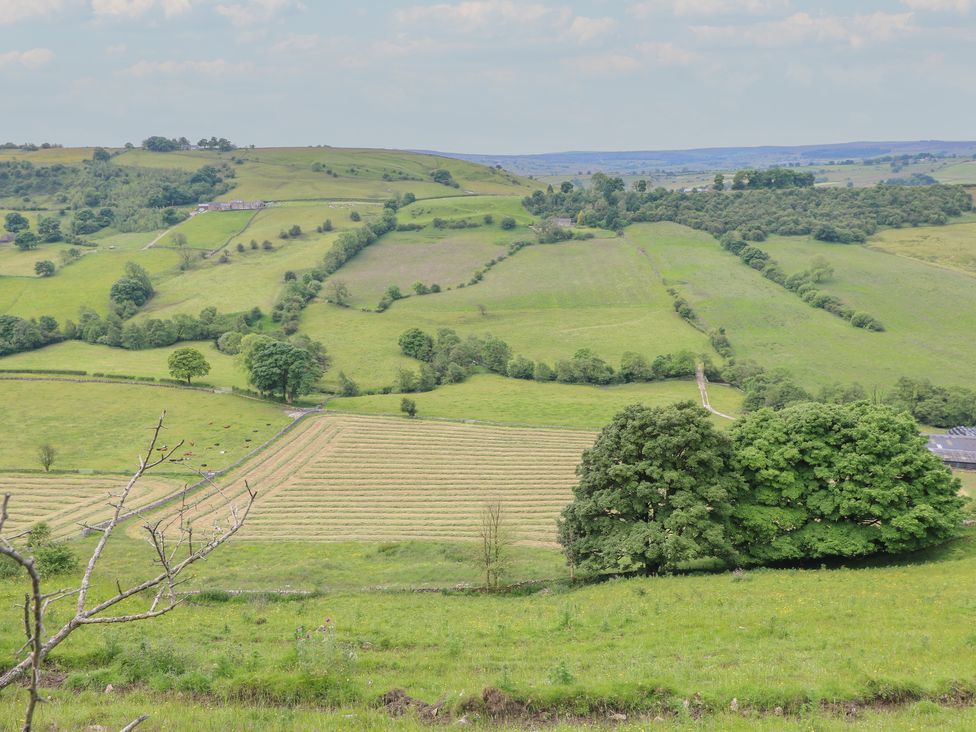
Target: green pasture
<point>210,230</point>
<point>774,327</point>
<point>17,263</point>
<point>498,399</point>
<point>50,156</point>
<point>794,638</point>
<point>960,172</point>
<point>105,426</point>
<point>968,478</point>
<point>445,257</point>
<point>952,246</point>
<point>81,356</point>
<point>86,282</point>
<point>547,302</point>
<point>473,208</point>
<point>924,309</point>
<point>125,241</point>
<point>278,174</point>
<point>270,222</point>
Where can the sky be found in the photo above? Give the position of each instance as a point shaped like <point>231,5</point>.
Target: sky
<point>488,76</point>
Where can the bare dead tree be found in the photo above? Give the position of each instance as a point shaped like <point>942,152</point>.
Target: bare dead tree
<point>495,542</point>
<point>175,548</point>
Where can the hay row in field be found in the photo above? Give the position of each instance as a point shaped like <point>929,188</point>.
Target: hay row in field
<point>350,477</point>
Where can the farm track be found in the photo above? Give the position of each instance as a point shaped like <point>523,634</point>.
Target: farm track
<point>347,478</point>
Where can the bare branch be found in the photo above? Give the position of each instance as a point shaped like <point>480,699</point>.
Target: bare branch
<point>134,723</point>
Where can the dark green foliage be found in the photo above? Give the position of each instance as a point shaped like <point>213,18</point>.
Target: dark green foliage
<point>347,387</point>
<point>49,229</point>
<point>26,240</point>
<point>634,368</point>
<point>830,480</point>
<point>416,344</point>
<point>507,223</point>
<point>158,143</point>
<point>282,368</point>
<point>521,368</point>
<point>584,368</point>
<point>444,177</point>
<point>753,179</point>
<point>52,557</point>
<point>15,222</point>
<point>17,334</point>
<point>934,405</point>
<point>44,268</point>
<point>131,291</point>
<point>408,407</point>
<point>830,214</point>
<point>350,243</point>
<point>655,492</point>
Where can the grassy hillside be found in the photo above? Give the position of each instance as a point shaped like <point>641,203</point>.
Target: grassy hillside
<point>947,246</point>
<point>547,302</point>
<point>280,174</point>
<point>105,426</point>
<point>772,326</point>
<point>497,399</point>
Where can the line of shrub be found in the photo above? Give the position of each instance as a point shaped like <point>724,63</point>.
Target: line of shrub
<point>802,284</point>
<point>56,372</point>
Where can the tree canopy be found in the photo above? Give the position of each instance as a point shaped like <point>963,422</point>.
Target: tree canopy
<point>655,491</point>
<point>185,363</point>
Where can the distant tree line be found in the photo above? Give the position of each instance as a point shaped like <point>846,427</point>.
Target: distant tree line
<point>827,214</point>
<point>663,490</point>
<point>770,178</point>
<point>158,143</point>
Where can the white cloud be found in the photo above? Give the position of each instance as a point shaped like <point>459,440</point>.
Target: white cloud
<point>212,68</point>
<point>479,15</point>
<point>586,30</point>
<point>255,12</point>
<point>648,8</point>
<point>136,8</point>
<point>31,60</point>
<point>651,54</point>
<point>16,10</point>
<point>125,8</point>
<point>799,28</point>
<point>116,49</point>
<point>959,6</point>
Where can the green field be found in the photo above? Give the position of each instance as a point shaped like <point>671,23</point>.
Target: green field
<point>953,247</point>
<point>210,230</point>
<point>774,327</point>
<point>81,356</point>
<point>514,401</point>
<point>105,426</point>
<point>789,638</point>
<point>963,172</point>
<point>547,302</point>
<point>286,174</point>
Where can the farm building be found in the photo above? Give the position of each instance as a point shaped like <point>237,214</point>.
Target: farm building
<point>6,238</point>
<point>231,206</point>
<point>563,222</point>
<point>956,451</point>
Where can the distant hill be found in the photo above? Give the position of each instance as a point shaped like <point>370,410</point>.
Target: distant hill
<point>710,158</point>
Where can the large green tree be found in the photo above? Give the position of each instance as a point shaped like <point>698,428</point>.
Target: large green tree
<point>830,480</point>
<point>185,363</point>
<point>279,367</point>
<point>654,492</point>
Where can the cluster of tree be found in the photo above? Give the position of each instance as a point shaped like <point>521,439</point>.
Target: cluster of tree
<point>126,197</point>
<point>19,334</point>
<point>754,179</point>
<point>448,359</point>
<point>444,177</point>
<point>935,405</point>
<point>277,366</point>
<point>804,284</point>
<point>399,201</point>
<point>44,268</point>
<point>297,294</point>
<point>915,179</point>
<point>29,146</point>
<point>663,488</point>
<point>829,214</point>
<point>131,291</point>
<point>158,143</point>
<point>293,232</point>
<point>48,230</point>
<point>157,333</point>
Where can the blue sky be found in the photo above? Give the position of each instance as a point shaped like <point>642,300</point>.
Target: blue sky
<point>490,76</point>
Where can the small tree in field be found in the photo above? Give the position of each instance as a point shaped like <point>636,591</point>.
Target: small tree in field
<point>408,407</point>
<point>46,455</point>
<point>495,543</point>
<point>339,292</point>
<point>185,363</point>
<point>44,268</point>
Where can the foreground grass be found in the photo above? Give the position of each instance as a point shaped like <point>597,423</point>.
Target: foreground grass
<point>797,639</point>
<point>105,426</point>
<point>497,399</point>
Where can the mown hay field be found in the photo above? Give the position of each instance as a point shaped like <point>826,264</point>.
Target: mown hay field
<point>344,477</point>
<point>66,502</point>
